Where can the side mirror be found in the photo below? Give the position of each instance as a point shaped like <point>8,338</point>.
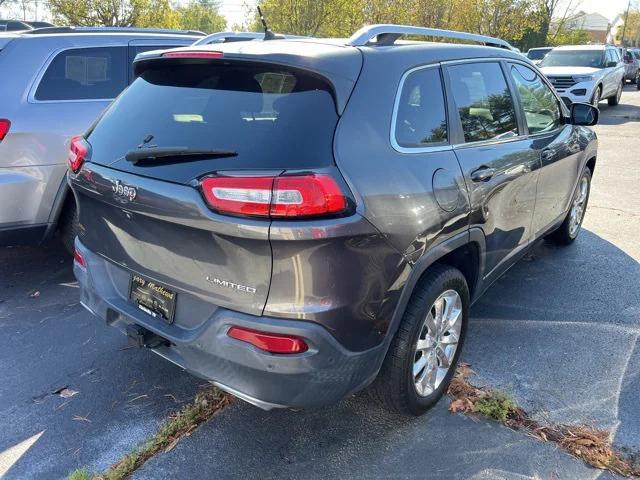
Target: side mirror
<point>584,114</point>
<point>612,64</point>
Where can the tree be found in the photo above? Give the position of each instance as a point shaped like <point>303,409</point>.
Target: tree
<point>201,15</point>
<point>196,15</point>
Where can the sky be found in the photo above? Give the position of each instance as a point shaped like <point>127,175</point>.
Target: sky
<point>235,10</point>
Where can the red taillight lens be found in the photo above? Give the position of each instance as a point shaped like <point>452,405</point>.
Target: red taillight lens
<point>306,196</point>
<point>269,342</point>
<point>5,125</point>
<point>78,152</point>
<point>293,196</point>
<point>79,259</point>
<point>193,54</point>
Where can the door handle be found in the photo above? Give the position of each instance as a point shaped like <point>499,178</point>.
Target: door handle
<point>547,154</point>
<point>483,174</point>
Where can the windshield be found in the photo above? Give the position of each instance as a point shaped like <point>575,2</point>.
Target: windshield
<point>574,58</point>
<point>537,54</point>
<point>270,116</point>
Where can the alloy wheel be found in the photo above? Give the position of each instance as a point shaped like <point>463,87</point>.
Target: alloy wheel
<point>437,342</point>
<point>596,97</point>
<point>578,207</point>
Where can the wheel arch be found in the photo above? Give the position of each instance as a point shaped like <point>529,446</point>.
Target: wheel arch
<point>465,251</point>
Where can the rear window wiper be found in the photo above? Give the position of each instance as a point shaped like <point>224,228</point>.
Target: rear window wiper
<point>168,154</point>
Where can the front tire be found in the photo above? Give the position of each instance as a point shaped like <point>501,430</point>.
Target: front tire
<point>595,98</point>
<point>568,231</point>
<point>615,100</point>
<point>423,355</point>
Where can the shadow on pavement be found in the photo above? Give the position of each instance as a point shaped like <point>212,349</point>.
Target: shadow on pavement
<point>621,113</point>
<point>48,341</point>
<point>560,332</point>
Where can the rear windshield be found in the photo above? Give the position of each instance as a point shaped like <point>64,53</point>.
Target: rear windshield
<point>273,117</point>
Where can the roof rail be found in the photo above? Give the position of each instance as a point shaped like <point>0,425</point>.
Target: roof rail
<point>387,34</point>
<point>225,37</point>
<point>48,30</point>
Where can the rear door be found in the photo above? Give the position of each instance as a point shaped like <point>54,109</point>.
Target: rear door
<point>498,162</point>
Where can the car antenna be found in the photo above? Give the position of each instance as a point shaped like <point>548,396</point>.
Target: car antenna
<point>268,34</point>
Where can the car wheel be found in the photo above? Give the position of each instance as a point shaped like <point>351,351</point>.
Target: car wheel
<point>424,353</point>
<point>595,99</point>
<point>615,100</point>
<point>634,79</point>
<point>568,231</point>
<point>68,224</point>
<point>638,80</point>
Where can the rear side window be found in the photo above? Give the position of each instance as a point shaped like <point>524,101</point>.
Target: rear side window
<point>540,105</point>
<point>85,74</point>
<point>272,116</point>
<point>483,101</point>
<point>421,115</point>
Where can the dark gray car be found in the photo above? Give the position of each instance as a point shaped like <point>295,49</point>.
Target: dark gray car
<point>295,220</point>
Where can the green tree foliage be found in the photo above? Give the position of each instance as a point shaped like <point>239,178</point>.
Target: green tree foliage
<point>508,19</point>
<point>196,15</point>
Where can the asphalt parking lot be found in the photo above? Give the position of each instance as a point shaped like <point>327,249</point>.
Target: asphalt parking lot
<point>559,333</point>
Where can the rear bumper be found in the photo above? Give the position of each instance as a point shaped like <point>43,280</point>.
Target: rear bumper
<point>323,375</point>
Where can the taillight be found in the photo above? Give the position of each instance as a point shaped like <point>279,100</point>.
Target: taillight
<point>269,342</point>
<point>5,125</point>
<point>290,196</point>
<point>78,152</point>
<point>193,54</point>
<point>79,259</point>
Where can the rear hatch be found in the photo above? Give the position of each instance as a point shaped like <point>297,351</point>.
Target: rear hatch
<point>149,215</point>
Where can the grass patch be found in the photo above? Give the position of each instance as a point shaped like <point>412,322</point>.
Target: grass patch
<point>79,474</point>
<point>496,406</point>
<point>207,403</point>
<point>589,444</point>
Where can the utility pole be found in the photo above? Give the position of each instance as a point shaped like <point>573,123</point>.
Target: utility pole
<point>626,19</point>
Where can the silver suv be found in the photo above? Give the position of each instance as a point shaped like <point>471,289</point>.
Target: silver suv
<point>585,73</point>
<point>61,79</point>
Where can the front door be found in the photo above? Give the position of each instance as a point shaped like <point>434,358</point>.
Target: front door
<point>499,164</point>
<point>556,143</point>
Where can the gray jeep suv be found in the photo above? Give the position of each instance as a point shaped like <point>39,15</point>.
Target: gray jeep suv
<point>297,219</point>
<point>58,81</point>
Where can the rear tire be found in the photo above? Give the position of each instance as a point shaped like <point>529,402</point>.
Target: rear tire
<point>402,385</point>
<point>615,100</point>
<point>68,224</point>
<point>568,231</point>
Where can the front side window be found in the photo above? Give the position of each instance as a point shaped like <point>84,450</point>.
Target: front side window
<point>483,101</point>
<point>85,74</point>
<point>540,105</point>
<point>421,119</point>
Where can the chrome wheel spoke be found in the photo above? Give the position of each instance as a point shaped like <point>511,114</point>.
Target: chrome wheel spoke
<point>437,343</point>
<point>419,365</point>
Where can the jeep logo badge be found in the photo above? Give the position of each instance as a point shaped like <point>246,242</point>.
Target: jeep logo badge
<point>124,191</point>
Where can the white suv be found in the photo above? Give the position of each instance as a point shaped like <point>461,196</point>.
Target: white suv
<point>585,73</point>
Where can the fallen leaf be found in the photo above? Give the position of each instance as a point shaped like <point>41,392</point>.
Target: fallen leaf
<point>172,444</point>
<point>67,392</point>
<point>35,294</point>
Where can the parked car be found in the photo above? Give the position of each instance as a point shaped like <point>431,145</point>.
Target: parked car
<point>21,25</point>
<point>296,219</point>
<point>585,73</point>
<point>631,66</point>
<point>536,55</point>
<point>61,79</point>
